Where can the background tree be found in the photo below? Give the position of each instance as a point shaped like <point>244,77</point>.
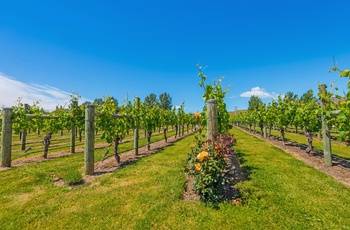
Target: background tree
<point>254,103</point>
<point>151,100</point>
<point>98,101</point>
<point>307,97</point>
<point>290,96</point>
<point>165,101</point>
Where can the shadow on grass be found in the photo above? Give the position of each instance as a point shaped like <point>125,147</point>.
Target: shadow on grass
<point>344,162</point>
<point>125,160</point>
<point>234,174</point>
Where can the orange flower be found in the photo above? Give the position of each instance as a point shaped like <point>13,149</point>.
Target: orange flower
<point>205,148</point>
<point>202,156</point>
<point>198,167</point>
<point>197,115</point>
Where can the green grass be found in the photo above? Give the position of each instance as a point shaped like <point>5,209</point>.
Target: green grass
<point>339,149</point>
<point>280,193</point>
<point>62,143</point>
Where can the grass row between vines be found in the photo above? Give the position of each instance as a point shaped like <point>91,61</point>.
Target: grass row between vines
<point>339,149</point>
<point>281,192</point>
<point>62,143</point>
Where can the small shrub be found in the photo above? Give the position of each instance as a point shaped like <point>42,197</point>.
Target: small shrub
<point>206,163</point>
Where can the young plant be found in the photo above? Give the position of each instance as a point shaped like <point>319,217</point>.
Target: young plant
<point>206,163</point>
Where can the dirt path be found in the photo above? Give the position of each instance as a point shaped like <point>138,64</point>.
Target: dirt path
<point>340,170</point>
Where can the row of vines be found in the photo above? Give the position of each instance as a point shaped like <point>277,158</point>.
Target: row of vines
<point>206,161</point>
<point>130,115</point>
<point>313,115</point>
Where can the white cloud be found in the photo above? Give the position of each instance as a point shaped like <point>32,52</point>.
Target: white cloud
<point>259,92</point>
<point>48,97</point>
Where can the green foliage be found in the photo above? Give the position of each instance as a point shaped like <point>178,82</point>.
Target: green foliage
<point>61,123</point>
<point>165,101</point>
<point>206,163</point>
<point>181,115</point>
<point>113,129</point>
<point>99,101</point>
<point>343,105</point>
<point>151,100</point>
<point>285,113</point>
<point>308,96</point>
<point>270,115</point>
<point>328,105</point>
<point>215,91</point>
<point>308,115</point>
<point>254,103</point>
<point>167,117</point>
<point>76,115</point>
<point>148,117</point>
<point>290,96</point>
<point>20,121</point>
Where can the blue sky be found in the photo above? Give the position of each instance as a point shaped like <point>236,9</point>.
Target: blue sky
<point>48,49</point>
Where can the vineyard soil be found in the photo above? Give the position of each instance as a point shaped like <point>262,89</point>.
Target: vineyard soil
<point>340,170</point>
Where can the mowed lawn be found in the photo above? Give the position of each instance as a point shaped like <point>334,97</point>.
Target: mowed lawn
<point>280,192</point>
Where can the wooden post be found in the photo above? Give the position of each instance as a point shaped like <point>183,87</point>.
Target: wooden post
<point>6,137</point>
<point>326,134</point>
<point>136,131</point>
<point>212,118</point>
<point>89,139</point>
<point>24,131</point>
<point>73,128</point>
<point>264,132</point>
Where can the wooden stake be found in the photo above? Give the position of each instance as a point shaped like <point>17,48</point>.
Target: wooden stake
<point>6,137</point>
<point>89,139</point>
<point>24,131</point>
<point>73,128</point>
<point>212,118</point>
<point>326,134</point>
<point>136,131</point>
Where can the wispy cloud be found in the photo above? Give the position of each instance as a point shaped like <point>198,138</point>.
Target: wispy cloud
<point>49,97</point>
<point>259,92</point>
